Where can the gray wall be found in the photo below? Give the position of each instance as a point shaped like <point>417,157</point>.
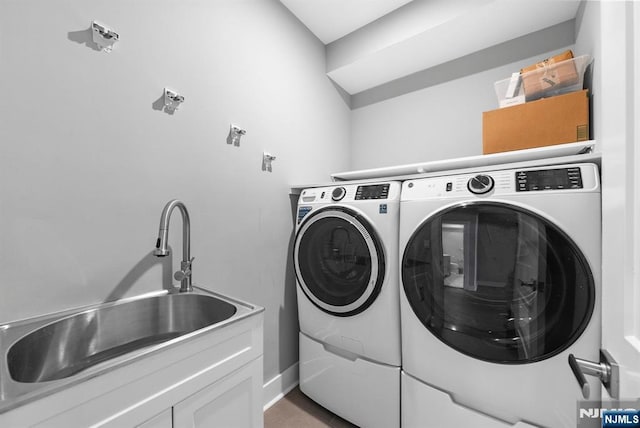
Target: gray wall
<point>88,159</point>
<point>437,114</point>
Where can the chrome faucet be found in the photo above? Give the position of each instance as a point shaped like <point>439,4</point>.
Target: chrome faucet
<point>162,246</point>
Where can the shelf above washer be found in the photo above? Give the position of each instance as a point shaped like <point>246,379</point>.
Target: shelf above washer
<point>560,150</point>
<point>541,156</point>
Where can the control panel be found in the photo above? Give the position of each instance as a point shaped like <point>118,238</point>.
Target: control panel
<point>497,183</point>
<point>548,179</point>
<point>375,191</point>
<point>344,193</point>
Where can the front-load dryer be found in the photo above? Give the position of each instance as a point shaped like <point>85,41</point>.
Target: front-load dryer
<point>500,284</point>
<point>345,256</point>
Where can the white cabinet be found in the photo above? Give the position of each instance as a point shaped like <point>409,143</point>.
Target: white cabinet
<point>215,376</point>
<point>232,402</point>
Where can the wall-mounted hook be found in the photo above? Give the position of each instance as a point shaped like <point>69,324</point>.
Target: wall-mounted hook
<point>235,133</point>
<point>267,158</point>
<point>103,36</point>
<point>172,100</point>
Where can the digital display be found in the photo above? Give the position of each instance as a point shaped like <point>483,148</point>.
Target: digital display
<point>375,191</point>
<point>549,179</point>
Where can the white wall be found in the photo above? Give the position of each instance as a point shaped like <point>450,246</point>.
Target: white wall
<point>616,104</point>
<point>439,122</point>
<point>87,159</point>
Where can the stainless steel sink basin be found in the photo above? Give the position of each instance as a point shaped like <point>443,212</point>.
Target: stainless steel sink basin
<point>44,354</point>
<point>70,345</point>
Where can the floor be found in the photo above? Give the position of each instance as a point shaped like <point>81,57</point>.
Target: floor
<point>296,410</point>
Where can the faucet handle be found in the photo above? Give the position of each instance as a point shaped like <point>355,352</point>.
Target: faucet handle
<point>185,270</point>
<point>180,275</point>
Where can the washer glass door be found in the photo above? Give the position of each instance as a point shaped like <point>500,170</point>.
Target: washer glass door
<point>339,261</point>
<point>497,282</point>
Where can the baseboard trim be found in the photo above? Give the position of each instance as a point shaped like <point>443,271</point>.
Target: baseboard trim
<point>280,385</point>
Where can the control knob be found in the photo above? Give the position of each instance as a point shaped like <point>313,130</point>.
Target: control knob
<point>480,184</point>
<point>338,193</point>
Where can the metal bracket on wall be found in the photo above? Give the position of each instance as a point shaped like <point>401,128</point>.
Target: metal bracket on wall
<point>103,36</point>
<point>172,100</point>
<point>267,158</point>
<point>235,133</point>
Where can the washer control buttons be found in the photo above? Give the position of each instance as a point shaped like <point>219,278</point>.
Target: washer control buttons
<point>480,184</point>
<point>374,191</point>
<point>549,179</point>
<point>338,193</point>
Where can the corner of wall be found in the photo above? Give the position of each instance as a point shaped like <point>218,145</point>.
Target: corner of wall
<point>280,385</point>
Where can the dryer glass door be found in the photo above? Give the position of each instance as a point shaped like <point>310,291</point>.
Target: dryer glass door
<point>339,261</point>
<point>497,282</point>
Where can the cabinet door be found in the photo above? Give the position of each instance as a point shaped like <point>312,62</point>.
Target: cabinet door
<point>235,401</point>
<point>162,420</point>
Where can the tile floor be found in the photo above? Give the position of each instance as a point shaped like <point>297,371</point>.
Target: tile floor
<point>296,410</point>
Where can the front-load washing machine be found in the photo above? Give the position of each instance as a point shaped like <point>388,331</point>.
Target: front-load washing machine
<point>500,284</point>
<point>345,256</point>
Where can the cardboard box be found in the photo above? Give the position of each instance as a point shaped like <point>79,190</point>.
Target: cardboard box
<point>545,122</point>
<point>550,74</point>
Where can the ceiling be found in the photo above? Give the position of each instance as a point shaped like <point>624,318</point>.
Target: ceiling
<point>372,42</point>
<point>330,20</point>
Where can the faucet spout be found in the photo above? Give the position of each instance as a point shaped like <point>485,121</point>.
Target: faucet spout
<point>162,245</point>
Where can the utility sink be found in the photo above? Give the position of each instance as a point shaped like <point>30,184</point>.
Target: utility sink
<point>70,345</point>
<point>44,354</point>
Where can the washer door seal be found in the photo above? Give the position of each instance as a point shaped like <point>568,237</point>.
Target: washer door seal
<point>339,261</point>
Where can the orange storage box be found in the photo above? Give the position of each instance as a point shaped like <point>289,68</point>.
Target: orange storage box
<point>545,122</point>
